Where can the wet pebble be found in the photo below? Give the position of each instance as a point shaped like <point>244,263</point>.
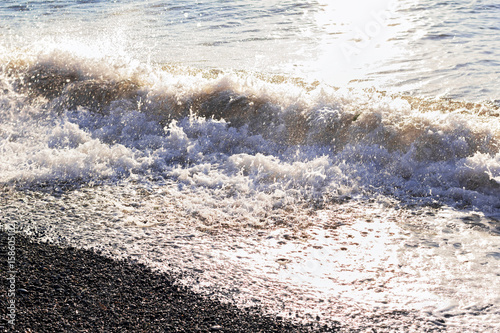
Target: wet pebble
<point>74,290</point>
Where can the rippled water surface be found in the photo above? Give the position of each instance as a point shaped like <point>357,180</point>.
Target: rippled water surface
<point>428,48</point>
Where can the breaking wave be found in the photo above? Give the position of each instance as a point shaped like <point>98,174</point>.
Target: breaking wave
<point>69,119</point>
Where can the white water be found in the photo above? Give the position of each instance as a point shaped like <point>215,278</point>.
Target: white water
<point>260,188</point>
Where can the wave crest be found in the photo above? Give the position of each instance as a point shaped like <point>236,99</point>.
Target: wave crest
<point>270,132</point>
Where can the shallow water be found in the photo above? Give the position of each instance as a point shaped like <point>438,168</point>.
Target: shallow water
<point>414,47</point>
<point>250,147</point>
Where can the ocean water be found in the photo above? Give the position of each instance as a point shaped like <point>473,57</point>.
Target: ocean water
<point>326,161</point>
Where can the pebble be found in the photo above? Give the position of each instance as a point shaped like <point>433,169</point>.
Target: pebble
<point>105,295</point>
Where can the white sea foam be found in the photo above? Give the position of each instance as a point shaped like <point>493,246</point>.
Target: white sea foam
<point>70,117</point>
<point>119,132</point>
<point>224,173</point>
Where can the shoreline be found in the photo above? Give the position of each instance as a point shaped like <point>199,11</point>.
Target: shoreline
<point>77,290</point>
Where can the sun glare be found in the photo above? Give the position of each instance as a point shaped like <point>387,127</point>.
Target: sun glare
<point>357,35</point>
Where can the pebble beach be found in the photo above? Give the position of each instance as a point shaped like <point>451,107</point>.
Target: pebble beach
<point>73,290</point>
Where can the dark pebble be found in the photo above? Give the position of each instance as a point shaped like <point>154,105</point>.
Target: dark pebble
<point>75,290</point>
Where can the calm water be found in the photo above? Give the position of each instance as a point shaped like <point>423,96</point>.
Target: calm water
<point>299,155</point>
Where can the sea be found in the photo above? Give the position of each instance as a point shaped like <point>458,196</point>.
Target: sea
<point>328,161</point>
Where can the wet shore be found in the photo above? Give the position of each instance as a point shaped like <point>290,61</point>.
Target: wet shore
<point>74,290</point>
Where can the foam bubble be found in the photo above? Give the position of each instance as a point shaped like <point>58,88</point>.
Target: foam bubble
<point>113,117</point>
